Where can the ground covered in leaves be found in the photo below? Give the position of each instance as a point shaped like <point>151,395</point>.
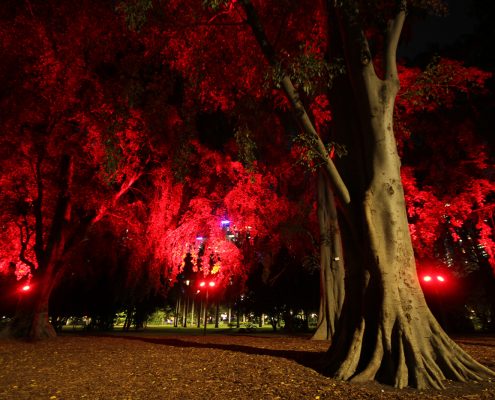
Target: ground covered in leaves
<point>154,365</point>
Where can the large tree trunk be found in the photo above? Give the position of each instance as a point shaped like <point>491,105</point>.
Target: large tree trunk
<point>387,332</point>
<point>31,318</point>
<point>331,262</point>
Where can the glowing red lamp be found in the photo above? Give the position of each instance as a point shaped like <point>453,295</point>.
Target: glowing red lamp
<point>202,283</point>
<point>26,288</point>
<point>429,278</point>
<point>212,284</point>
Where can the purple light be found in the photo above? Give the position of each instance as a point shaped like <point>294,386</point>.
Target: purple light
<point>199,238</point>
<point>225,222</point>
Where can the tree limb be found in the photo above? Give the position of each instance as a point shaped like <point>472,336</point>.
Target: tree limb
<point>394,30</point>
<point>123,189</point>
<point>24,244</point>
<point>298,107</point>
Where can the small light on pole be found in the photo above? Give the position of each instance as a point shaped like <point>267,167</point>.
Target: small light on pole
<point>26,288</point>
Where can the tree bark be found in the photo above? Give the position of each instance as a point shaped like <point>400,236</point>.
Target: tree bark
<point>386,331</point>
<point>331,262</point>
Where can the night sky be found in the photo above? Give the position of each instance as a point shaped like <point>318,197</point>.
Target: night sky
<point>435,32</point>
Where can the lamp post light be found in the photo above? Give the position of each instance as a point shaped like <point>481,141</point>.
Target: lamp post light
<point>207,285</point>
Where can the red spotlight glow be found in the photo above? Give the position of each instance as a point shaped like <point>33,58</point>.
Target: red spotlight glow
<point>212,284</point>
<point>427,278</point>
<point>440,278</point>
<point>202,284</point>
<point>26,288</point>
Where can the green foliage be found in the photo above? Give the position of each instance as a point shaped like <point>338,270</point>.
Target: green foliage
<point>310,158</point>
<point>135,12</point>
<point>135,93</point>
<point>113,152</point>
<point>215,5</point>
<point>430,7</point>
<point>247,147</point>
<point>182,157</point>
<point>308,72</point>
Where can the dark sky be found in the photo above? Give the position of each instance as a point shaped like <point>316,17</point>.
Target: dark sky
<point>435,32</point>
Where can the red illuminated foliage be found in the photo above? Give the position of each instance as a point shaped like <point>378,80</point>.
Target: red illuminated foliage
<point>130,137</point>
<point>71,150</point>
<point>446,177</point>
<point>218,212</point>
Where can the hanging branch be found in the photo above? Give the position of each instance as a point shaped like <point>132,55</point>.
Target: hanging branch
<point>293,96</point>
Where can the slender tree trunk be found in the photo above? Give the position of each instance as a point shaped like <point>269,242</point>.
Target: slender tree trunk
<point>217,313</point>
<point>176,313</point>
<point>186,312</point>
<point>192,311</point>
<point>331,262</point>
<point>200,306</point>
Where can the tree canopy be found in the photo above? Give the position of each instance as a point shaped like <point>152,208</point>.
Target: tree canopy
<point>245,137</point>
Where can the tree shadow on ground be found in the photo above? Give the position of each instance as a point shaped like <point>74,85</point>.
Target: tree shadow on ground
<point>309,359</point>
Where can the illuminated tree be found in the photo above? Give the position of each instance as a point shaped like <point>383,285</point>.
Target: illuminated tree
<point>438,111</point>
<point>71,152</point>
<point>385,330</point>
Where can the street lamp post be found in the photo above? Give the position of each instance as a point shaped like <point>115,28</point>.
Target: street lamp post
<point>207,286</point>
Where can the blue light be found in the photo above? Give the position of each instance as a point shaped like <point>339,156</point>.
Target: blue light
<point>225,222</point>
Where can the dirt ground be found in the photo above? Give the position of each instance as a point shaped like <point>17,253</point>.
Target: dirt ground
<point>219,366</point>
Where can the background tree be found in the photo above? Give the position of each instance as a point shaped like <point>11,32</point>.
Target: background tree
<point>59,108</point>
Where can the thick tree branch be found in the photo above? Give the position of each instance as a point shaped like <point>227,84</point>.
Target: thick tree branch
<point>298,107</point>
<point>38,214</point>
<point>123,189</point>
<point>61,217</point>
<point>394,30</point>
<point>355,44</point>
<point>24,243</point>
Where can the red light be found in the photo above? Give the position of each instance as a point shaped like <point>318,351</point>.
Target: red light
<point>427,278</point>
<point>25,288</point>
<point>212,284</point>
<point>202,283</point>
<point>440,278</point>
